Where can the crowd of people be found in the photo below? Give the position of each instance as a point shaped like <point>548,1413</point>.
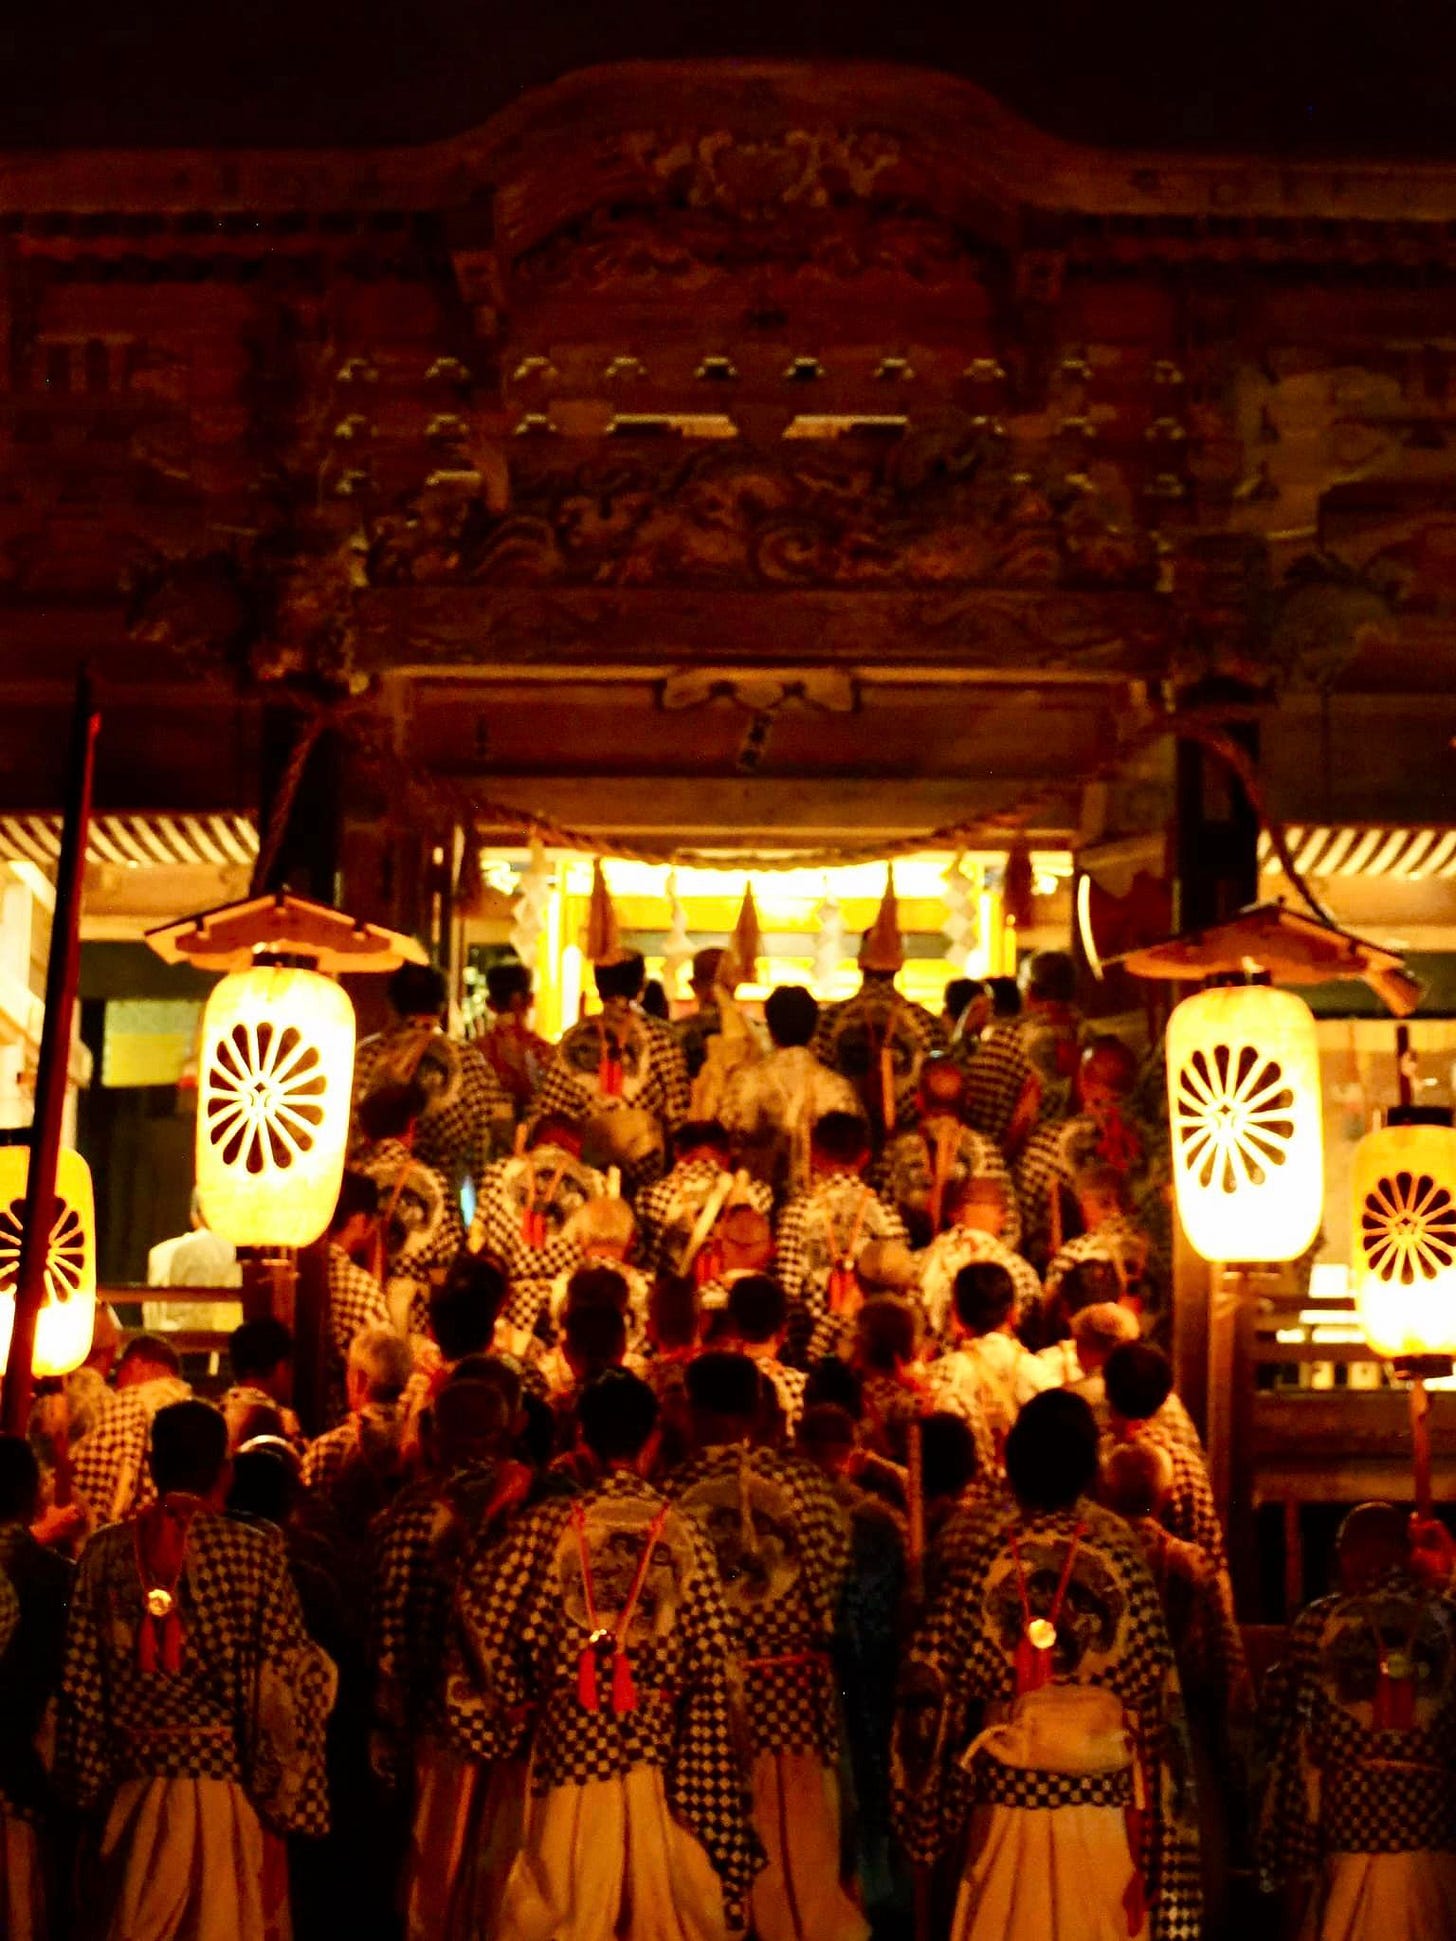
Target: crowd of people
<point>769,1513</point>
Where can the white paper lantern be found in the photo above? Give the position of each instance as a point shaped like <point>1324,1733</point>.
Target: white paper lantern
<point>273,1105</point>
<point>1403,1252</point>
<point>64,1325</point>
<point>1245,1117</point>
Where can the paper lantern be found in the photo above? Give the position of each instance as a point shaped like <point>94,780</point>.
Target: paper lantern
<point>1403,1254</point>
<point>64,1325</point>
<point>273,1105</point>
<point>1245,1116</point>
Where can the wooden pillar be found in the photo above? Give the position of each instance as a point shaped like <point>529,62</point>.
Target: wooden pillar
<point>308,852</point>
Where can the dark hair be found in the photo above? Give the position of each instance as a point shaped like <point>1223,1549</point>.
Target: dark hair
<point>1088,1283</point>
<point>552,1126</point>
<point>152,1350</point>
<point>507,980</point>
<point>358,1193</point>
<point>694,1133</point>
<point>257,1347</point>
<point>984,1296</point>
<point>757,1307</point>
<point>390,1110</point>
<point>654,1000</point>
<point>1139,1379</point>
<point>707,962</point>
<point>595,1335</point>
<point>843,1138</point>
<point>466,1306</point>
<point>825,1426</point>
<point>1051,976</point>
<point>622,979</point>
<point>947,1454</point>
<point>725,1385</point>
<point>885,1330</point>
<point>676,1311</point>
<point>1111,1050</point>
<point>791,1013</point>
<point>265,1485</point>
<point>470,1415</point>
<point>1005,997</point>
<point>189,1447</point>
<point>417,990</point>
<point>19,1480</point>
<point>616,1415</point>
<point>487,1371</point>
<point>833,1380</point>
<point>599,1286</point>
<point>1051,1451</point>
<point>959,993</point>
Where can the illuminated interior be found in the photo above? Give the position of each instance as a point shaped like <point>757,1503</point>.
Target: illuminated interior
<point>800,911</point>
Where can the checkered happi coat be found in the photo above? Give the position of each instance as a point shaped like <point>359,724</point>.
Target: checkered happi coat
<point>850,1037</point>
<point>1110,1633</point>
<point>783,1543</point>
<point>905,1175</point>
<point>1336,1783</point>
<point>668,1209</point>
<point>419,1545</point>
<point>469,1117</point>
<point>521,1627</point>
<point>252,1697</point>
<point>500,1212</point>
<point>654,1073</point>
<point>356,1302</point>
<point>812,1222</point>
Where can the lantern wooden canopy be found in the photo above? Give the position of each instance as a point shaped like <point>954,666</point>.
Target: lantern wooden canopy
<point>276,1062</point>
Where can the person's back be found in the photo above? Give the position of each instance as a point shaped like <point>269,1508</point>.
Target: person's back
<point>1359,1820</point>
<point>193,1706</point>
<point>782,1540</point>
<point>1039,1709</point>
<point>30,1672</point>
<point>595,1636</point>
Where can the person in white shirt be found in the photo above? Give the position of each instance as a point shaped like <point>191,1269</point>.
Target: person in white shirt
<point>197,1258</point>
<point>988,1377</point>
<point>1086,1284</point>
<point>979,1212</point>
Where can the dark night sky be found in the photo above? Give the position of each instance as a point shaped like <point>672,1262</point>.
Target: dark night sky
<point>1350,76</point>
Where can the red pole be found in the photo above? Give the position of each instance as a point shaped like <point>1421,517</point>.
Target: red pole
<point>54,1064</point>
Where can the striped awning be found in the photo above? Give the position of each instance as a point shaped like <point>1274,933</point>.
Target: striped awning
<point>135,841</point>
<point>1364,849</point>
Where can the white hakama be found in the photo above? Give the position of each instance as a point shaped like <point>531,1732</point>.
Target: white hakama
<point>1384,1897</point>
<point>1034,1873</point>
<point>799,1895</point>
<point>189,1860</point>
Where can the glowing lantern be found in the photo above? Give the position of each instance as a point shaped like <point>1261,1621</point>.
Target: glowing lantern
<point>1245,1115</point>
<point>273,1103</point>
<point>64,1325</point>
<point>1403,1254</point>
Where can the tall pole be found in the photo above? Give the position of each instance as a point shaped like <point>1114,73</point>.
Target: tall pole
<point>53,1068</point>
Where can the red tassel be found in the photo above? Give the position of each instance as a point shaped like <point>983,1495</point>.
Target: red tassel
<point>841,1288</point>
<point>533,1227</point>
<point>1395,1704</point>
<point>611,1077</point>
<point>707,1264</point>
<point>172,1644</point>
<point>624,1691</point>
<point>1033,1667</point>
<point>147,1644</point>
<point>586,1680</point>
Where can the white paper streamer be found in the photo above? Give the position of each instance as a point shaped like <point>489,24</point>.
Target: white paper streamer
<point>960,926</point>
<point>533,893</point>
<point>677,947</point>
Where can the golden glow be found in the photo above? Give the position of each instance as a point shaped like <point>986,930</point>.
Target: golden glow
<point>1403,1239</point>
<point>274,1078</point>
<point>1245,1117</point>
<point>64,1325</point>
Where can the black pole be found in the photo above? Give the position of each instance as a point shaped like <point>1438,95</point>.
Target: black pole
<point>54,1064</point>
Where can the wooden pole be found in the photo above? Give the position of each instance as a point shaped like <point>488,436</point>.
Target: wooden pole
<point>53,1067</point>
<point>1420,1409</point>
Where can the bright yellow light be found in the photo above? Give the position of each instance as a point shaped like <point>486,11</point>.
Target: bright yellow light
<point>64,1325</point>
<point>274,1079</point>
<point>1403,1245</point>
<point>1244,1108</point>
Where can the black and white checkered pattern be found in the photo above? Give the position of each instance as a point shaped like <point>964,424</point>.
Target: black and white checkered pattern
<point>1337,1784</point>
<point>418,1551</point>
<point>904,1175</point>
<point>1111,1634</point>
<point>423,1231</point>
<point>500,1210</point>
<point>110,1471</point>
<point>944,1258</point>
<point>1119,1240</point>
<point>356,1302</point>
<point>851,1037</point>
<point>654,1074</point>
<point>516,1649</point>
<point>249,1703</point>
<point>469,1119</point>
<point>782,1540</point>
<point>668,1209</point>
<point>813,1223</point>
